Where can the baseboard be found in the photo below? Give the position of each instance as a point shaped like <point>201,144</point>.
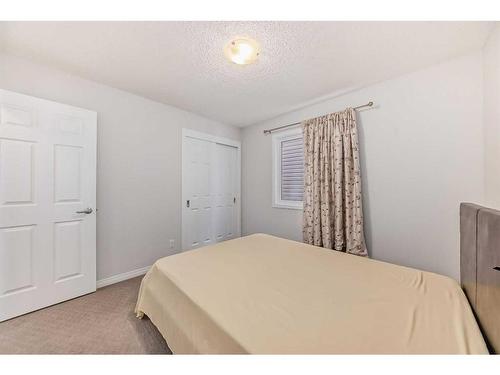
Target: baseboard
<point>122,277</point>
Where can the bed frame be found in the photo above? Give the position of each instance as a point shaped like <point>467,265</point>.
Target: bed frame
<point>480,267</point>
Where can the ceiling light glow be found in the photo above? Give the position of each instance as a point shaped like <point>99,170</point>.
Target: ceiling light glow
<point>242,51</point>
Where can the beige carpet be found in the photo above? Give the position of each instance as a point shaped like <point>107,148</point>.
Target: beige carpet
<point>99,323</point>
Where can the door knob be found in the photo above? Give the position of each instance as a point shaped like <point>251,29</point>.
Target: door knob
<point>86,211</point>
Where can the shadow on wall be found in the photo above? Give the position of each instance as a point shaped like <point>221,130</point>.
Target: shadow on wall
<point>364,180</point>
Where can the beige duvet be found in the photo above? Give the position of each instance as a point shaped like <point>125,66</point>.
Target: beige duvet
<point>263,294</point>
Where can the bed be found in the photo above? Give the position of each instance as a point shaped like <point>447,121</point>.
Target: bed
<point>266,295</point>
<point>480,267</point>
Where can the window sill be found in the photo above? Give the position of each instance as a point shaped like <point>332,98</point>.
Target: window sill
<point>289,206</point>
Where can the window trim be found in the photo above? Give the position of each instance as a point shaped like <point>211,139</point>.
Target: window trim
<point>277,138</point>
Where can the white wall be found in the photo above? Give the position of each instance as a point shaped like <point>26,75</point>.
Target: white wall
<point>422,154</point>
<point>139,162</point>
<point>422,149</point>
<point>491,71</point>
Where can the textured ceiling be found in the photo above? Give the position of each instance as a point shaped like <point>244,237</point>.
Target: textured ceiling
<point>183,64</point>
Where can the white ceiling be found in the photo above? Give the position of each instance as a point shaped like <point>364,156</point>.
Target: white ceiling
<point>183,64</point>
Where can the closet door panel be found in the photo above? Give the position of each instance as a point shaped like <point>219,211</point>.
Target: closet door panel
<point>210,185</point>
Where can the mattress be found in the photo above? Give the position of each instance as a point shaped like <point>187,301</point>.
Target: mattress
<point>266,295</point>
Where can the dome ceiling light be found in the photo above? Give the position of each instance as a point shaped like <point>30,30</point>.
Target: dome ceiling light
<point>242,51</point>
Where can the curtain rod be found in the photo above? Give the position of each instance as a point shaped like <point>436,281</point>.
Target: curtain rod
<point>269,131</point>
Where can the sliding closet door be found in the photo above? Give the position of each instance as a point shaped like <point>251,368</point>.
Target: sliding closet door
<point>225,192</point>
<point>210,190</point>
<point>47,182</point>
<point>197,181</point>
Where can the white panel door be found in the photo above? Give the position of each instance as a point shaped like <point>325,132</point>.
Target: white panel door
<point>210,185</point>
<point>47,183</point>
<point>225,192</point>
<point>198,178</point>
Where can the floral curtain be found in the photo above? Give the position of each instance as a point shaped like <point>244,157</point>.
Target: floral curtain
<point>333,211</point>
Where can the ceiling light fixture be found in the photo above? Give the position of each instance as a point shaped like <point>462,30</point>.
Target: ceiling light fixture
<point>242,51</point>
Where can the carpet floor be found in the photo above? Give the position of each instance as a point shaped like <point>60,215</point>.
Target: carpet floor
<point>99,323</point>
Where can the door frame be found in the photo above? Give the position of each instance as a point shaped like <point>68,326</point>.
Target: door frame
<point>189,133</point>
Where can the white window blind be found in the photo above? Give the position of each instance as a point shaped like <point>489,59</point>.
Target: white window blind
<point>292,169</point>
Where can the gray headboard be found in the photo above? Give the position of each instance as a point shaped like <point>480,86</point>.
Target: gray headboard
<point>480,267</point>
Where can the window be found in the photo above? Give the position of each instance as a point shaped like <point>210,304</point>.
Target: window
<point>288,169</point>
